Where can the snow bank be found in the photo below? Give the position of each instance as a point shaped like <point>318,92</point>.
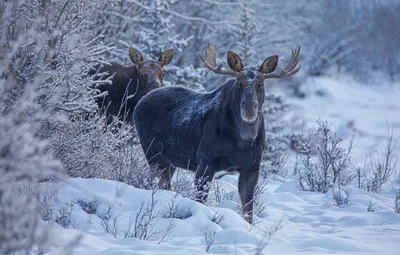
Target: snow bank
<point>312,224</point>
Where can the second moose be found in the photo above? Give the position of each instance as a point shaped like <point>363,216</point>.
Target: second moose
<point>211,132</point>
<point>131,83</point>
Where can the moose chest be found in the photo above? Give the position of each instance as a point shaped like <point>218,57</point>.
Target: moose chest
<point>228,153</point>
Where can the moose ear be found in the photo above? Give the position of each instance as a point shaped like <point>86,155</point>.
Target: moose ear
<point>136,56</point>
<point>234,61</point>
<point>269,65</point>
<point>166,57</point>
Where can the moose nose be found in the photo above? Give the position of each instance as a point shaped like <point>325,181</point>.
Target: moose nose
<point>249,110</point>
<point>250,104</point>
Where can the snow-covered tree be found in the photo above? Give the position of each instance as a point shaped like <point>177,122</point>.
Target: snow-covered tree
<point>368,31</point>
<point>143,24</point>
<point>148,26</point>
<point>23,155</point>
<point>46,47</point>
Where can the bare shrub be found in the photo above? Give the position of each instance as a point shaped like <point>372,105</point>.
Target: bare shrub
<point>397,200</point>
<point>142,224</point>
<point>275,154</point>
<point>333,50</point>
<point>372,206</point>
<point>89,206</point>
<point>19,218</point>
<point>268,232</point>
<point>129,165</point>
<point>109,223</point>
<point>174,210</point>
<point>324,161</point>
<point>44,197</point>
<point>217,218</point>
<point>44,48</point>
<point>183,184</point>
<point>341,197</point>
<point>275,227</point>
<point>378,171</point>
<point>64,218</point>
<point>209,236</point>
<point>88,147</point>
<point>84,145</point>
<point>260,206</point>
<point>222,194</point>
<point>397,179</point>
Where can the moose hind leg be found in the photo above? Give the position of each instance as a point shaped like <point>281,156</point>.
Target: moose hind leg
<point>161,167</point>
<point>247,184</point>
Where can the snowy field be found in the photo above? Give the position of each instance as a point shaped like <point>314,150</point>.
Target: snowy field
<point>306,222</point>
<point>351,108</point>
<point>310,222</point>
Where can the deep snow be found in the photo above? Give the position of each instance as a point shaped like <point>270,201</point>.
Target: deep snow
<point>312,222</point>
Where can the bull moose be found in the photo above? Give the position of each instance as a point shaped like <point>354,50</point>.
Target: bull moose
<point>131,83</point>
<point>211,132</point>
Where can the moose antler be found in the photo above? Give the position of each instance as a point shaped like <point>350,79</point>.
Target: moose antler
<point>290,67</point>
<point>210,62</point>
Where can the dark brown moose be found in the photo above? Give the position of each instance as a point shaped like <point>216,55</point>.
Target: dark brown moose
<point>131,83</point>
<point>211,132</point>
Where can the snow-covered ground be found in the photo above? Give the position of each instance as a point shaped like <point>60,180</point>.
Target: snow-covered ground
<point>368,110</point>
<point>312,224</point>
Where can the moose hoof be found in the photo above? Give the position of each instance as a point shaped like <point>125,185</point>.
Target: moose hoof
<point>248,217</point>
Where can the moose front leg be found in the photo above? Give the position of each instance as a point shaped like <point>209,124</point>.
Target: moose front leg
<point>247,185</point>
<point>204,176</point>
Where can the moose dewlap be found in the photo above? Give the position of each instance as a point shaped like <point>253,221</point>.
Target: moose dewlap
<point>211,132</point>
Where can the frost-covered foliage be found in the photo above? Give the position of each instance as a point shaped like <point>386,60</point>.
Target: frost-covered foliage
<point>149,26</point>
<point>23,155</point>
<point>45,47</point>
<point>277,139</point>
<point>377,171</point>
<point>50,44</point>
<point>56,44</point>
<point>141,225</point>
<point>56,47</point>
<point>246,32</point>
<point>145,25</point>
<point>397,199</point>
<point>49,120</point>
<point>187,76</point>
<point>89,148</point>
<point>341,197</point>
<point>324,162</point>
<point>359,37</point>
<point>365,30</point>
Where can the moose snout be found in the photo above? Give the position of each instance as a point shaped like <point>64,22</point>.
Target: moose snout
<point>249,110</point>
<point>250,105</point>
<point>156,82</point>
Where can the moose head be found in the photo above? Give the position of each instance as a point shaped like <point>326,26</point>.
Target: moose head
<point>151,71</point>
<point>250,81</point>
